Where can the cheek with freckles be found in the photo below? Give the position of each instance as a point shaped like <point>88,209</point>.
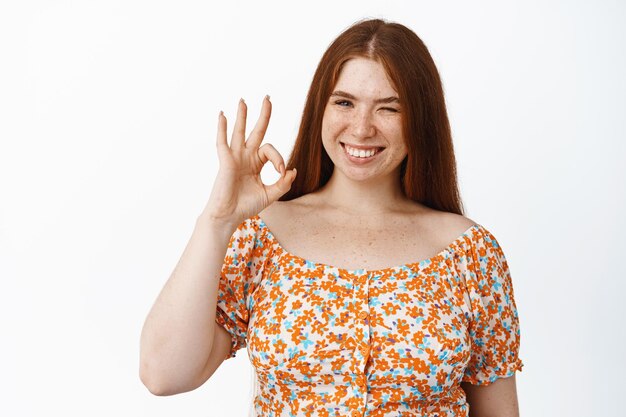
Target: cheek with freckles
<point>332,132</point>
<point>333,123</point>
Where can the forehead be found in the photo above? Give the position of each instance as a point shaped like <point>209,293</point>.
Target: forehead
<point>365,77</point>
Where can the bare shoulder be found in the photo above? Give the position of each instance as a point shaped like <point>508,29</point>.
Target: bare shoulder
<point>456,223</point>
<point>276,210</point>
<point>282,216</point>
<point>447,226</point>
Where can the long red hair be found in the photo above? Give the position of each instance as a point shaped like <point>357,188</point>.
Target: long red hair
<point>428,173</point>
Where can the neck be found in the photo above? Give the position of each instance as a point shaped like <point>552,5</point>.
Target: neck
<point>373,197</point>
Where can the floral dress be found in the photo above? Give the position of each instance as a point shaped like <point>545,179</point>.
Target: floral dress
<point>328,341</point>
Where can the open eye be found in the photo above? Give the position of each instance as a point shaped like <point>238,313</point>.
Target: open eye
<point>341,102</point>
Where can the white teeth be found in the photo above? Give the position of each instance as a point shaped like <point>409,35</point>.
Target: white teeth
<point>360,152</point>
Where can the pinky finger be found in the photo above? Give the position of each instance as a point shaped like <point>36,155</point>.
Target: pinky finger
<point>221,131</point>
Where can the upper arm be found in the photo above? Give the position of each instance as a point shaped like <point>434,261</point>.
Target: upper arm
<point>219,352</point>
<point>489,378</point>
<point>498,399</point>
<point>494,323</point>
<point>243,261</point>
<point>243,268</point>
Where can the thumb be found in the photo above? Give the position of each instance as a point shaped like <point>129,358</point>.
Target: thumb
<point>280,187</point>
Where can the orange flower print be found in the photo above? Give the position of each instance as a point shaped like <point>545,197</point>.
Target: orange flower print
<point>328,341</point>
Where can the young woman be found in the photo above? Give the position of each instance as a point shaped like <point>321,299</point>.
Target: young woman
<point>357,285</point>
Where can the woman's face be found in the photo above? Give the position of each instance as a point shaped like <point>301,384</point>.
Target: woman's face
<point>364,111</point>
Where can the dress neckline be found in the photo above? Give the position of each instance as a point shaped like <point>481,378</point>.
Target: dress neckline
<point>410,265</point>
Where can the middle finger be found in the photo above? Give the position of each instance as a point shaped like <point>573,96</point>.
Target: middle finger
<point>257,134</point>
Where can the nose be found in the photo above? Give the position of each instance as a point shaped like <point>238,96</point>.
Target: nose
<point>362,125</point>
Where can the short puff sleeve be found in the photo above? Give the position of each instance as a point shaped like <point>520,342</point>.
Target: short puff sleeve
<point>243,263</point>
<point>494,329</point>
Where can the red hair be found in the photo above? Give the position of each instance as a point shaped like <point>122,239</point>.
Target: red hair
<point>428,173</point>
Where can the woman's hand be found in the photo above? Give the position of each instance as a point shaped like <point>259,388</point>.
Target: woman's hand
<point>238,192</point>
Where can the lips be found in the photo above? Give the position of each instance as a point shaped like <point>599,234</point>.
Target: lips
<point>361,160</point>
<point>364,147</point>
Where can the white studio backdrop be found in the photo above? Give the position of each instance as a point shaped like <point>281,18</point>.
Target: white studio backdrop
<point>108,115</point>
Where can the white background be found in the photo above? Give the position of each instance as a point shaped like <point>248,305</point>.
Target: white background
<point>108,114</point>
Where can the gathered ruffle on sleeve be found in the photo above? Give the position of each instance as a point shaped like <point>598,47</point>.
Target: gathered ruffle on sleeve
<point>494,329</point>
<point>244,259</point>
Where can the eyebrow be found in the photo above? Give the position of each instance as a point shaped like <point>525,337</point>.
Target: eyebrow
<point>392,99</point>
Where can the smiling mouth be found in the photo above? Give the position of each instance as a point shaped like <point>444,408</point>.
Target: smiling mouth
<point>377,150</point>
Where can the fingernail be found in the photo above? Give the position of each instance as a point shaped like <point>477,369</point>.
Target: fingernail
<point>267,96</point>
<point>242,100</point>
<point>221,114</point>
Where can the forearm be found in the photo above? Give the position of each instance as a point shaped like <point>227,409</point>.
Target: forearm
<point>177,335</point>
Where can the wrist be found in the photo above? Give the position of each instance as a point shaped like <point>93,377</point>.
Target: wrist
<point>218,225</point>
